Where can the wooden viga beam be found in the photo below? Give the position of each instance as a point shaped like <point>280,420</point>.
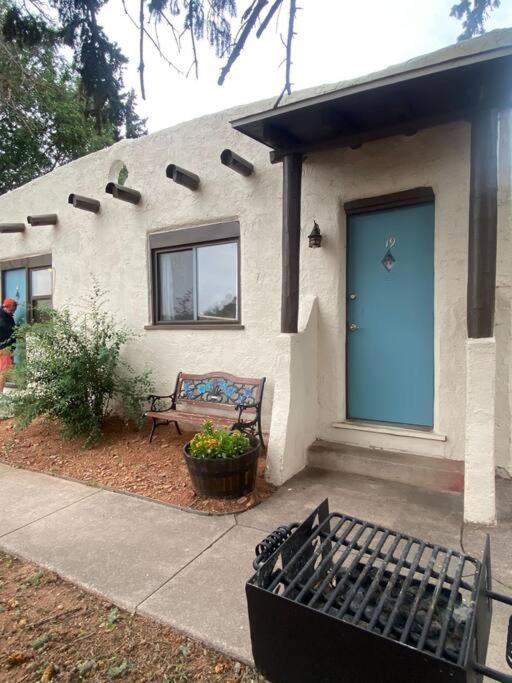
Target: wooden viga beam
<point>12,227</point>
<point>236,163</point>
<point>125,194</point>
<point>85,203</point>
<point>182,176</point>
<point>43,219</point>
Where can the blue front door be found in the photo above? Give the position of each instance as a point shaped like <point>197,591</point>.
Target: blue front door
<point>15,287</point>
<point>390,315</point>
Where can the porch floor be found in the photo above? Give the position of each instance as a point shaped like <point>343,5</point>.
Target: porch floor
<point>189,570</point>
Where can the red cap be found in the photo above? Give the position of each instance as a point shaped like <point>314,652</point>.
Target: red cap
<point>10,302</point>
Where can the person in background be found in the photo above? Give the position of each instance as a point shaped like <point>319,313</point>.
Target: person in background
<point>7,325</point>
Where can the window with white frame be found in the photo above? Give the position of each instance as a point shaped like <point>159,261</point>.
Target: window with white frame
<point>196,275</point>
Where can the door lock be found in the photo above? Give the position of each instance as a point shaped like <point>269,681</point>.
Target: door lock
<point>353,327</point>
<point>352,297</point>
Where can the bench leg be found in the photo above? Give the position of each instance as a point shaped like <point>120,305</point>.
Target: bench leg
<point>177,427</point>
<point>260,433</point>
<point>156,423</point>
<point>153,427</point>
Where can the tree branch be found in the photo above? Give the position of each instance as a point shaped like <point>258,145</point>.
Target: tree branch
<point>173,29</point>
<point>141,49</point>
<point>194,52</point>
<point>287,82</point>
<point>41,10</point>
<point>152,40</point>
<point>277,4</point>
<point>250,21</point>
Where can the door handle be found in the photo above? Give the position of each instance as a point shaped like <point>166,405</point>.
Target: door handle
<point>353,327</point>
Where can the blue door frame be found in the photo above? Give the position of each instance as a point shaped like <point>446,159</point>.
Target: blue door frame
<point>390,315</point>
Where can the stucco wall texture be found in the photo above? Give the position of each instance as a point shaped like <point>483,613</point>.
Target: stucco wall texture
<point>113,247</point>
<point>479,485</point>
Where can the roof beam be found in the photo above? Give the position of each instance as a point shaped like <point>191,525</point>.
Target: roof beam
<point>379,132</point>
<point>12,227</point>
<point>84,203</point>
<point>380,81</point>
<point>43,219</point>
<point>277,137</point>
<point>331,118</point>
<point>125,194</point>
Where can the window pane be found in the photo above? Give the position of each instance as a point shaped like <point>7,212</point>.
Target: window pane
<point>175,285</point>
<point>217,281</point>
<point>41,282</point>
<point>41,309</point>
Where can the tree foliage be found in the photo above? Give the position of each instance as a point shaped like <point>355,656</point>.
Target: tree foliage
<point>42,122</point>
<point>45,118</point>
<point>99,61</point>
<point>473,14</point>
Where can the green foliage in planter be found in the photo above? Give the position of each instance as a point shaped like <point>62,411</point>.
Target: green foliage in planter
<point>72,371</point>
<point>217,443</point>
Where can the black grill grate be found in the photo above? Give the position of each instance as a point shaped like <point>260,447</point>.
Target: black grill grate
<point>420,594</point>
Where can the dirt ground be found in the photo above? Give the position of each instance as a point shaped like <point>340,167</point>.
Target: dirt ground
<point>50,630</point>
<point>124,460</point>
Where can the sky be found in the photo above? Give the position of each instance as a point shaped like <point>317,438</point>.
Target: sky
<point>336,40</point>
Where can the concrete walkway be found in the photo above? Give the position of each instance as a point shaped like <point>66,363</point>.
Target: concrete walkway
<point>189,570</point>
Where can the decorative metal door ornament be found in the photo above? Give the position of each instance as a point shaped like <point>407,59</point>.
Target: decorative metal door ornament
<point>389,260</point>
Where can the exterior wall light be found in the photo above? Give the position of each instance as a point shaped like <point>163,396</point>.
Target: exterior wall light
<point>315,237</point>
<point>85,203</point>
<point>126,194</point>
<point>182,176</point>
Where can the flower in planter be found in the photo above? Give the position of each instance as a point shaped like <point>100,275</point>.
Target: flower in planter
<point>218,443</point>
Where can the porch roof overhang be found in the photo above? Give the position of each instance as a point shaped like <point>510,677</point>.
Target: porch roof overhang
<point>447,85</point>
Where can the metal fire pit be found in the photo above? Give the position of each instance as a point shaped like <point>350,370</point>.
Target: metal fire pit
<point>340,599</point>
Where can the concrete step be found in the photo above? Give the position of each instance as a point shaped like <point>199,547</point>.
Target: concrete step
<point>437,474</point>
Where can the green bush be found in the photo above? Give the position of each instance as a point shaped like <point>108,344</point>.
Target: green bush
<point>71,371</point>
<point>217,443</point>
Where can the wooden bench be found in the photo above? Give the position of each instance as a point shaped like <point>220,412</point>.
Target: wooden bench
<point>237,402</point>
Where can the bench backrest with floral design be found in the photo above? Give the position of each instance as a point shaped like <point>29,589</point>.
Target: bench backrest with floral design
<point>219,389</point>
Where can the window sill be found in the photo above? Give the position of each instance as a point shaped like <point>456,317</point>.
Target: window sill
<point>206,326</point>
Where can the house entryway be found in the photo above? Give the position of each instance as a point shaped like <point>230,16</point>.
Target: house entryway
<point>390,314</point>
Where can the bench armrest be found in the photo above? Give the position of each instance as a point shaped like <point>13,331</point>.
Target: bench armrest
<point>246,406</point>
<point>241,407</point>
<point>154,398</point>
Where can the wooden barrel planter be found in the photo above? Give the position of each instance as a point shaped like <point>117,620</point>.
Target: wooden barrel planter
<point>224,477</point>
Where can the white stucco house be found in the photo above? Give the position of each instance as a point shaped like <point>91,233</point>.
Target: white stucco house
<point>388,350</point>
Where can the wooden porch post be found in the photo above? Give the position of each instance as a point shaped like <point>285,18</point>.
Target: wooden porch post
<point>482,225</point>
<point>292,181</point>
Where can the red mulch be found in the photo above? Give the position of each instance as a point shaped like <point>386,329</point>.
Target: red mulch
<point>124,460</point>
